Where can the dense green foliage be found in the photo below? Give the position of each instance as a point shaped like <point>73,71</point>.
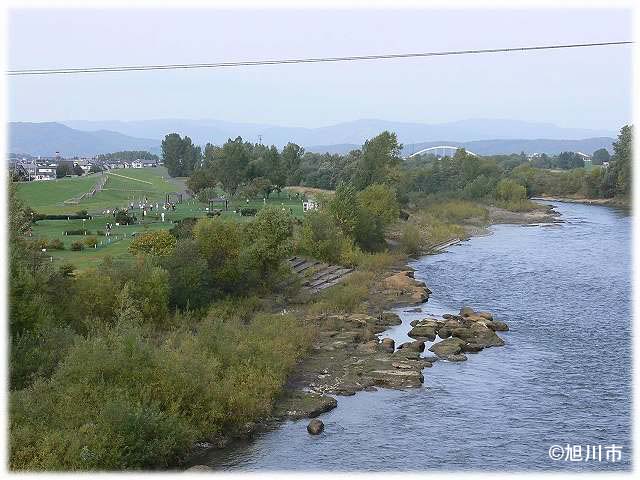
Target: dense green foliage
<point>250,170</point>
<point>600,182</point>
<point>124,399</point>
<point>126,156</point>
<point>180,155</point>
<point>158,242</point>
<point>107,374</point>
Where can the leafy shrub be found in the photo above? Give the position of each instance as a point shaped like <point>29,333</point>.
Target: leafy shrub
<point>40,243</point>
<point>123,218</point>
<point>184,228</point>
<point>77,246</point>
<point>381,202</point>
<point>214,213</point>
<point>158,242</point>
<point>220,242</point>
<point>188,276</point>
<point>56,244</point>
<point>36,354</point>
<point>320,237</point>
<point>509,190</point>
<point>91,241</point>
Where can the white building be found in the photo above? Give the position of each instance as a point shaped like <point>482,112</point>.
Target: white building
<point>309,205</point>
<point>45,173</point>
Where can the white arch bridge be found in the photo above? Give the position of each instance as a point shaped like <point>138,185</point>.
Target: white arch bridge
<point>441,151</point>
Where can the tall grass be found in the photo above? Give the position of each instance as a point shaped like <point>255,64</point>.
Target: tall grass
<point>455,211</point>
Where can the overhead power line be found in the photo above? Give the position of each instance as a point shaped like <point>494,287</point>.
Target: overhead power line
<point>253,63</point>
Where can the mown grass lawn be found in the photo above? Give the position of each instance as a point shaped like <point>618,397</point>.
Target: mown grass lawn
<point>118,193</point>
<point>48,196</point>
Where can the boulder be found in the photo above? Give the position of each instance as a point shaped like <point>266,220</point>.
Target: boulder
<point>399,378</point>
<point>466,311</point>
<point>485,336</point>
<point>450,346</point>
<point>389,318</point>
<point>389,345</point>
<point>472,348</point>
<point>463,333</point>
<point>415,346</point>
<point>315,427</point>
<point>444,332</point>
<point>423,331</point>
<point>403,284</point>
<point>449,316</point>
<point>498,326</point>
<point>406,354</point>
<point>485,315</point>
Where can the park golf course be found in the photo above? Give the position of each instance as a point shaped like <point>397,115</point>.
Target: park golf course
<point>122,187</point>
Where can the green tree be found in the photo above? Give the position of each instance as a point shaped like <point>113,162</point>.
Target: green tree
<point>220,241</point>
<point>188,276</point>
<point>321,238</point>
<point>599,156</point>
<point>269,241</point>
<point>63,169</point>
<point>180,155</point>
<point>344,208</point>
<point>231,164</point>
<point>290,160</point>
<point>621,161</point>
<point>379,161</point>
<point>381,202</point>
<point>274,169</point>
<point>509,190</point>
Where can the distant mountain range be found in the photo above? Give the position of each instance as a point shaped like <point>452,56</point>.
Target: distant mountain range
<point>49,137</point>
<point>355,132</point>
<point>88,138</point>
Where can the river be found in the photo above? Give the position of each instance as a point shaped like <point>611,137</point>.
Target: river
<point>563,377</point>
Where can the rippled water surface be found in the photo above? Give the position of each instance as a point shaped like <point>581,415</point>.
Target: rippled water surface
<point>564,376</point>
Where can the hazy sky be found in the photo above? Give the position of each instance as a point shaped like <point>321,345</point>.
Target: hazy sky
<point>572,88</point>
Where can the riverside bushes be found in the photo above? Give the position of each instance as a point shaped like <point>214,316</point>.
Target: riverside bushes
<point>127,400</point>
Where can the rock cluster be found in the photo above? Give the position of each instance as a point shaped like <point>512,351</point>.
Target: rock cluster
<point>468,332</point>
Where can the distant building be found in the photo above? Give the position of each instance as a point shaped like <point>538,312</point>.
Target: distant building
<point>309,205</point>
<point>47,172</point>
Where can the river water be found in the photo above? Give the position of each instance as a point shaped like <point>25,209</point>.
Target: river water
<point>563,377</point>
